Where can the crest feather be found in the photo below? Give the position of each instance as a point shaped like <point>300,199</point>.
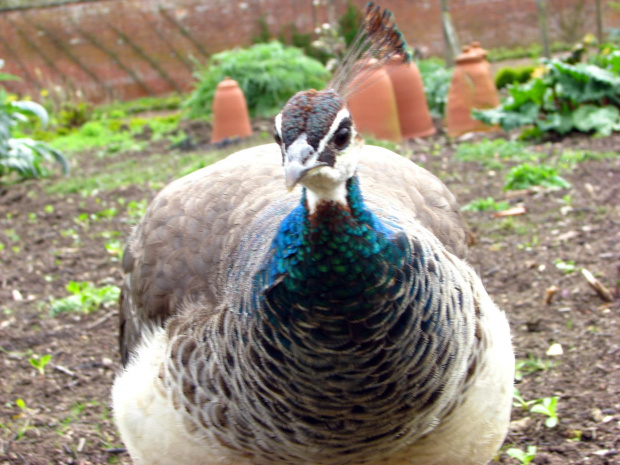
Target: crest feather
<point>378,38</point>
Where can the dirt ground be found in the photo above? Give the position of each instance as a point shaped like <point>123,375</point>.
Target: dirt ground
<point>66,418</point>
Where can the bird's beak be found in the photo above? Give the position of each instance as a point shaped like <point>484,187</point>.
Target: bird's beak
<point>300,158</point>
<point>293,172</point>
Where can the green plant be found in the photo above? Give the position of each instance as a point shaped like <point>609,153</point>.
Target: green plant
<point>136,210</point>
<point>561,98</point>
<point>73,115</point>
<point>24,413</point>
<point>508,75</point>
<point>436,78</point>
<point>115,248</point>
<point>523,457</point>
<point>269,74</point>
<point>350,22</point>
<point>263,35</point>
<point>526,175</point>
<point>547,406</point>
<point>566,267</point>
<point>531,365</point>
<point>487,204</point>
<point>23,155</point>
<point>84,298</point>
<point>520,401</point>
<point>40,362</point>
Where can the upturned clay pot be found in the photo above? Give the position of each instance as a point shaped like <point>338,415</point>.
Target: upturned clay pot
<point>373,105</point>
<point>230,112</point>
<point>413,115</point>
<point>472,86</point>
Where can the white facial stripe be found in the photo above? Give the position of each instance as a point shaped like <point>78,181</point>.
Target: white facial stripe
<point>278,122</point>
<point>342,114</point>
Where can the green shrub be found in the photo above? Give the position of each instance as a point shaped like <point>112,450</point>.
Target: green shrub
<point>508,75</point>
<point>504,77</point>
<point>436,78</point>
<point>350,22</point>
<point>269,74</point>
<point>23,155</point>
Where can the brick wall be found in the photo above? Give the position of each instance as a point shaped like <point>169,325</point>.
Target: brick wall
<point>129,48</point>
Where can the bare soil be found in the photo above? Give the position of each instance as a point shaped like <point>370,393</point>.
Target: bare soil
<point>67,419</point>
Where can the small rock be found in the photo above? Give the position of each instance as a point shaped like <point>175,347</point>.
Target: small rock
<point>17,296</point>
<point>521,425</point>
<point>555,349</point>
<point>107,362</point>
<point>596,415</point>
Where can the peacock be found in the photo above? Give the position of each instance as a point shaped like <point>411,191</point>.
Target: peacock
<point>336,324</point>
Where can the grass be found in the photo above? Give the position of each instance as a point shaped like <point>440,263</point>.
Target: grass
<point>117,134</point>
<point>493,154</point>
<point>160,169</point>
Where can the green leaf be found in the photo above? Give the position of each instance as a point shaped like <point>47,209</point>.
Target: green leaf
<point>9,77</point>
<point>600,119</point>
<point>34,108</point>
<point>560,123</point>
<point>532,91</point>
<point>509,118</point>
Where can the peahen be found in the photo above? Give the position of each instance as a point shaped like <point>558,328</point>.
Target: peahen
<point>261,326</point>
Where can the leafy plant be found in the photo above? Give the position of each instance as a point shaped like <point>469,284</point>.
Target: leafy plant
<point>115,248</point>
<point>85,298</point>
<point>436,78</point>
<point>136,210</point>
<point>40,362</point>
<point>547,406</point>
<point>269,74</point>
<point>73,115</point>
<point>527,175</point>
<point>486,204</point>
<point>531,365</point>
<point>23,155</point>
<point>581,97</point>
<point>523,457</point>
<point>25,414</point>
<point>519,401</point>
<point>566,267</point>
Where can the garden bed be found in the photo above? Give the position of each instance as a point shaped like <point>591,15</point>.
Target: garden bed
<point>51,239</point>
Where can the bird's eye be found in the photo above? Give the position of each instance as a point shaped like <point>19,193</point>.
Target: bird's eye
<point>277,138</point>
<point>342,137</point>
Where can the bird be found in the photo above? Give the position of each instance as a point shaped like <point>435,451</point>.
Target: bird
<point>309,302</point>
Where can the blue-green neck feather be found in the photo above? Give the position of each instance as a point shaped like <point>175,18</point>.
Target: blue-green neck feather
<point>334,266</point>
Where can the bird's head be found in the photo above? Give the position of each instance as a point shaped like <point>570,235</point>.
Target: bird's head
<point>319,143</point>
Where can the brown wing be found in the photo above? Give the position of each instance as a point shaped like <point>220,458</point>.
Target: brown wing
<point>179,251</point>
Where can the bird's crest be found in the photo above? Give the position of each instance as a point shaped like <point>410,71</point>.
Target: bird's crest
<point>377,41</point>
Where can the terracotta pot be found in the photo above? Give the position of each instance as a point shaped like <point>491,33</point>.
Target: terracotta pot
<point>472,86</point>
<point>230,112</point>
<point>413,115</point>
<point>373,105</point>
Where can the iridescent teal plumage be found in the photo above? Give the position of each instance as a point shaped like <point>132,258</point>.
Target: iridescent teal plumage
<point>332,247</point>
